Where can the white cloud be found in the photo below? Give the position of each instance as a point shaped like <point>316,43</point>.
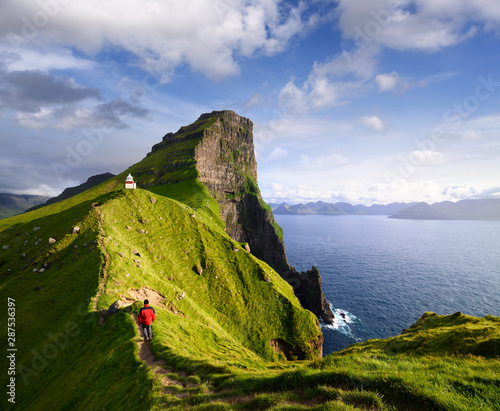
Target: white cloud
<point>459,192</point>
<point>331,83</point>
<point>323,93</point>
<point>426,157</point>
<point>278,153</point>
<point>374,123</point>
<point>490,122</point>
<point>41,190</point>
<point>437,78</point>
<point>475,128</point>
<point>370,27</point>
<point>467,134</point>
<point>297,129</point>
<point>50,59</point>
<point>353,192</point>
<point>299,194</point>
<point>387,82</point>
<point>293,99</point>
<point>255,100</point>
<point>404,191</point>
<point>360,61</point>
<point>208,35</point>
<point>414,24</point>
<point>391,82</point>
<point>34,121</point>
<point>277,187</point>
<point>322,161</point>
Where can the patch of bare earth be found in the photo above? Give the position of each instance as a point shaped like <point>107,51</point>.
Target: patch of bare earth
<point>154,297</point>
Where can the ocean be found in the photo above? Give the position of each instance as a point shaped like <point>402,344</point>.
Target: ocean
<point>380,274</point>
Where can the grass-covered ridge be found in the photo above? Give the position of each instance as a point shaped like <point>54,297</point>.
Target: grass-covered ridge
<point>433,334</point>
<point>235,291</point>
<point>232,304</point>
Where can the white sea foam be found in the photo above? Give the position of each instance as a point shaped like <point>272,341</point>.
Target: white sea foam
<point>342,320</point>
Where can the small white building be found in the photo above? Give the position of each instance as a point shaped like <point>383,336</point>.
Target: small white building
<point>129,182</point>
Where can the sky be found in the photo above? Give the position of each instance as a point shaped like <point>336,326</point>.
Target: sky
<point>364,101</point>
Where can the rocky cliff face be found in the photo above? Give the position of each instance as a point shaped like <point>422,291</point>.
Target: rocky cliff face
<point>226,164</point>
<point>218,150</point>
<point>308,287</point>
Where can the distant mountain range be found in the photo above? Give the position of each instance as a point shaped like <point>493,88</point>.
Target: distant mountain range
<point>13,204</point>
<point>480,209</point>
<point>73,191</point>
<point>340,208</point>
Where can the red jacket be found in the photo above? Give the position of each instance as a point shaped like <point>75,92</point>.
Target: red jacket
<point>146,315</point>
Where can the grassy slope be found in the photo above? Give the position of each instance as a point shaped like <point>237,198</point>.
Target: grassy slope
<point>226,319</point>
<point>9,211</point>
<point>218,330</point>
<point>158,172</point>
<point>392,374</point>
<point>231,294</point>
<point>62,354</point>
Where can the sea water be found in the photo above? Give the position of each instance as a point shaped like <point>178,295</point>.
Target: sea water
<point>380,275</point>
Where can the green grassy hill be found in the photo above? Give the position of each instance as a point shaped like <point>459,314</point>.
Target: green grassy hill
<point>131,241</point>
<point>229,334</point>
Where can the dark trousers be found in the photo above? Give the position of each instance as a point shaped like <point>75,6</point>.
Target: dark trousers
<point>146,331</point>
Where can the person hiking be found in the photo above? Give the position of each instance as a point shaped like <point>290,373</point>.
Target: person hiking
<point>147,315</point>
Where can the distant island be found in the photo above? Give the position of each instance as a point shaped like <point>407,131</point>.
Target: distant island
<point>478,209</point>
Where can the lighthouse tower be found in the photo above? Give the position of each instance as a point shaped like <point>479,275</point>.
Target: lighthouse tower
<point>129,182</point>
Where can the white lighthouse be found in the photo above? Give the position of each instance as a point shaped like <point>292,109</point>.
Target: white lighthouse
<point>129,182</point>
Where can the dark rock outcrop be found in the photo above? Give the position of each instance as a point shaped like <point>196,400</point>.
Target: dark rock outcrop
<point>295,353</point>
<point>113,308</point>
<point>308,287</point>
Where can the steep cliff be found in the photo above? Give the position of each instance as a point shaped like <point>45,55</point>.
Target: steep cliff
<point>218,150</point>
<point>226,164</point>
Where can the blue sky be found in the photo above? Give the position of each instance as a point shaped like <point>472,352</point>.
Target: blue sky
<point>360,101</point>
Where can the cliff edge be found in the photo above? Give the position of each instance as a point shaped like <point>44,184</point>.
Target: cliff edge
<point>226,164</point>
<point>218,150</point>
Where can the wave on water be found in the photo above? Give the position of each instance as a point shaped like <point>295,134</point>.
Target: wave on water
<point>343,321</point>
